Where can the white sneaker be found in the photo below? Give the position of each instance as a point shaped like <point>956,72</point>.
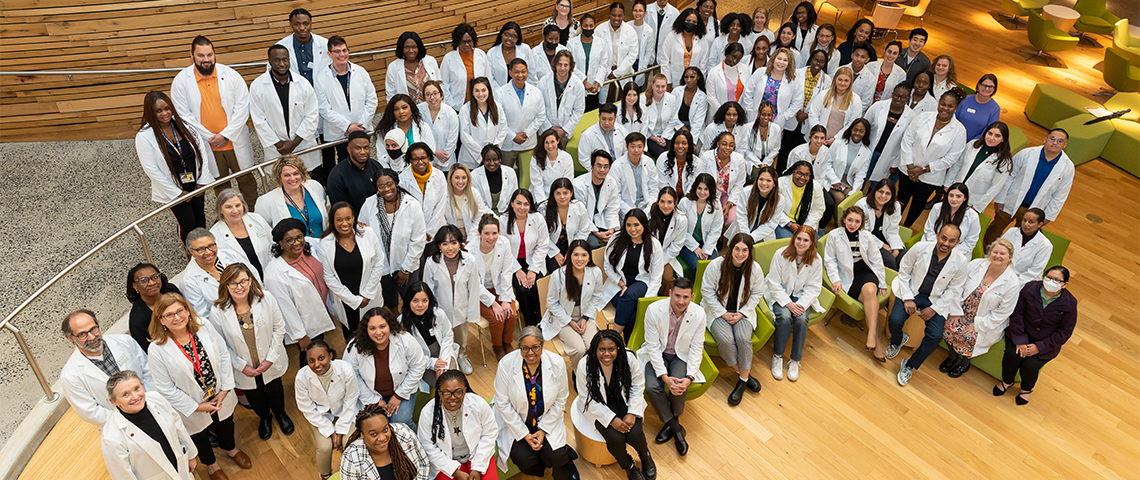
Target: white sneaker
<point>465,364</point>
<point>777,367</point>
<point>793,370</point>
<point>905,373</point>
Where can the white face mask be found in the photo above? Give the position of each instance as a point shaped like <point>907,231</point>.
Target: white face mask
<point>1052,286</point>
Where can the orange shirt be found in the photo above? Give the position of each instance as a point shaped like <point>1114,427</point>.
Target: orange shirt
<point>469,64</point>
<point>213,115</point>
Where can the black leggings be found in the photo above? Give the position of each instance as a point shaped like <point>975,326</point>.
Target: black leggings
<point>790,140</point>
<point>616,442</point>
<point>529,306</point>
<point>190,215</point>
<point>535,462</point>
<point>267,397</point>
<point>223,430</point>
<point>1011,363</point>
<point>914,194</point>
<point>392,292</point>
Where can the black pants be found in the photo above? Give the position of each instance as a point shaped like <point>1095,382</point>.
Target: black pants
<point>392,292</point>
<point>223,430</point>
<point>592,101</point>
<point>1011,363</point>
<point>656,151</point>
<point>267,397</point>
<point>535,462</point>
<point>352,316</point>
<point>790,140</point>
<point>616,442</point>
<point>914,194</point>
<point>529,306</point>
<point>552,263</point>
<point>190,215</point>
<point>828,210</point>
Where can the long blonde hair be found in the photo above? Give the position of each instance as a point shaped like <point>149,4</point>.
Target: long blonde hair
<point>468,196</point>
<point>649,91</point>
<point>848,96</point>
<point>790,71</point>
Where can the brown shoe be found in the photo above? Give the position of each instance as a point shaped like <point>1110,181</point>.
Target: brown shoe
<point>242,460</point>
<point>219,475</point>
<point>499,352</point>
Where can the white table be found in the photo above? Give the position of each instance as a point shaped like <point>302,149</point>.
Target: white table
<point>1063,17</point>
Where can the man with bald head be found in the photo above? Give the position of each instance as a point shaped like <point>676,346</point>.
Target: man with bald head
<point>96,358</point>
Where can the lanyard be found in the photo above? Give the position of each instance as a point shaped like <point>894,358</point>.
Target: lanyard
<point>196,362</point>
<point>175,142</point>
<point>303,210</point>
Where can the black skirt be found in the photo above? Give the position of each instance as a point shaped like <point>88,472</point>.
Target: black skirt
<point>863,276</point>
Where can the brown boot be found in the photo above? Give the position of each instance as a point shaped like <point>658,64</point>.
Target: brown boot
<point>499,351</point>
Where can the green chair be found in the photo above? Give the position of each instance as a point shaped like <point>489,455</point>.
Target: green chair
<point>979,249</point>
<point>1017,140</point>
<point>1060,246</point>
<point>1122,101</point>
<point>701,265</point>
<point>1119,72</point>
<point>763,253</point>
<point>1123,145</point>
<point>523,169</point>
<point>1123,40</point>
<point>1047,38</point>
<point>1095,18</point>
<point>1086,142</point>
<point>637,337</point>
<point>852,306</point>
<point>1021,8</point>
<point>909,242</point>
<point>588,119</point>
<point>1049,104</point>
<point>906,233</point>
<point>760,336</point>
<point>845,204</point>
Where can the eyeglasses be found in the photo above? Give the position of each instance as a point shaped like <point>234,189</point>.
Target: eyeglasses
<point>294,240</point>
<point>802,174</point>
<point>1056,139</point>
<point>467,41</point>
<point>564,5</point>
<point>180,313</point>
<point>244,283</point>
<point>432,94</point>
<point>93,332</point>
<point>144,281</point>
<point>451,393</point>
<point>339,51</point>
<point>986,86</point>
<point>530,349</point>
<point>207,248</point>
<point>603,166</point>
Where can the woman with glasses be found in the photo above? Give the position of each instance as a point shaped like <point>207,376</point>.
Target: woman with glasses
<point>250,323</point>
<point>444,123</point>
<point>296,278</point>
<point>200,280</point>
<point>453,72</point>
<point>563,19</point>
<point>145,284</point>
<point>978,111</point>
<point>459,435</point>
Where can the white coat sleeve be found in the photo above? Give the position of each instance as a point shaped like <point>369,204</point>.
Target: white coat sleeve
<point>438,459</point>
<point>151,159</point>
<point>164,385</point>
<point>417,364</point>
<point>338,123</point>
<point>294,324</point>
<point>334,284</point>
<point>307,130</point>
<point>1060,194</point>
<point>417,240</point>
<point>317,418</point>
<point>709,283</point>
<point>554,417</point>
<point>370,104</point>
<point>903,289</point>
<point>596,409</point>
<point>236,118</point>
<point>261,123</point>
<point>511,420</point>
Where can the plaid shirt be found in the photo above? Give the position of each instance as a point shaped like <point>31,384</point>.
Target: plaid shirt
<point>356,464</point>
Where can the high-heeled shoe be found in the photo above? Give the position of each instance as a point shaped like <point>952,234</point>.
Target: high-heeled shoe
<point>1000,389</point>
<point>1022,401</point>
<point>876,357</point>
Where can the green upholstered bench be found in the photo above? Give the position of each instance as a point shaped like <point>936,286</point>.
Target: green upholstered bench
<point>1123,147</point>
<point>1125,100</point>
<point>588,119</point>
<point>1049,104</point>
<point>1086,142</point>
<point>1017,140</point>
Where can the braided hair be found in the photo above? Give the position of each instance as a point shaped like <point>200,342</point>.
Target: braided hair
<point>621,373</point>
<point>402,466</point>
<point>437,428</point>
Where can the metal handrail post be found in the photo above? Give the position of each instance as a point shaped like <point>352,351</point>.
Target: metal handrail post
<point>145,245</point>
<point>50,396</point>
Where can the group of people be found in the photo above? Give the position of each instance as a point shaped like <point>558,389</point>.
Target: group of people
<point>403,251</point>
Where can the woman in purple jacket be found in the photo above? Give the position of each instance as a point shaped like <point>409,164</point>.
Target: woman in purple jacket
<point>1041,323</point>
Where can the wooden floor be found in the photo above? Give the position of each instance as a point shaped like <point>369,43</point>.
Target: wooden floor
<point>846,417</point>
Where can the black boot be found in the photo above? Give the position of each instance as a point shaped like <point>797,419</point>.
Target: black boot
<point>265,428</point>
<point>634,474</point>
<point>648,466</point>
<point>737,393</point>
<point>285,423</point>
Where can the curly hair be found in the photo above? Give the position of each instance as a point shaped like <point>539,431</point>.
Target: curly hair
<point>360,339</point>
<point>402,466</point>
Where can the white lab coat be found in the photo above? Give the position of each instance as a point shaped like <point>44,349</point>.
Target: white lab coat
<point>711,226</point>
<point>737,171</point>
<point>716,87</point>
<point>622,171</point>
<point>818,114</point>
<point>502,267</point>
<point>647,273</point>
<point>173,377</point>
<point>804,40</point>
<point>820,89</point>
<point>631,120</point>
<point>789,97</point>
<point>593,138</point>
<point>661,117</point>
<point>537,240</point>
<point>985,182</point>
<point>739,132</point>
<point>971,229</point>
<point>840,264</point>
<point>561,166</point>
<point>333,410</point>
<point>786,281</point>
<point>939,153</point>
<point>856,170</point>
<point>441,329</point>
<point>568,113</point>
<point>997,304</point>
<point>541,67</point>
<point>201,289</point>
<point>433,198</point>
<point>598,63</point>
<point>406,363</point>
<point>595,411</point>
<point>499,72</point>
<point>269,120</point>
<point>604,209</point>
<point>421,133</point>
<point>767,230</point>
<point>660,29</point>
<point>946,295</point>
<point>479,433</point>
<point>372,268</point>
<point>444,128</point>
<point>690,343</point>
<point>527,116</point>
<point>85,385</point>
<point>578,224</point>
<point>131,454</point>
<point>718,44</point>
<point>815,213</point>
<point>646,35</point>
<point>320,53</point>
<point>759,151</point>
<point>668,176</point>
<point>1029,260</point>
<point>804,54</point>
<point>1054,191</point>
<point>483,189</point>
<point>511,402</point>
<point>628,48</point>
<point>269,332</point>
<point>454,75</point>
<point>474,136</point>
<point>559,305</point>
<point>163,188</point>
<point>868,80</point>
<point>672,55</point>
<point>927,104</point>
<point>306,314</point>
<point>676,237</point>
<point>396,80</point>
<point>877,114</point>
<point>409,234</point>
<point>273,207</point>
<point>890,223</point>
<point>699,113</point>
<point>747,300</point>
<point>235,101</point>
<point>461,301</point>
<point>260,235</point>
<point>461,215</point>
<point>820,163</point>
<point>338,114</point>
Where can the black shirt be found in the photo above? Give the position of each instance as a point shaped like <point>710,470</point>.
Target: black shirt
<point>615,397</point>
<point>597,195</point>
<point>892,120</point>
<point>343,79</point>
<point>349,267</point>
<point>140,317</point>
<point>737,276</point>
<point>283,95</point>
<point>494,180</point>
<point>559,88</point>
<point>632,259</point>
<point>932,272</point>
<point>146,422</point>
<point>352,184</point>
<point>386,472</point>
<point>878,230</point>
<point>183,158</point>
<point>247,247</point>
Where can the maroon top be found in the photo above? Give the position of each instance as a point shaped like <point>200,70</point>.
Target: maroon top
<point>383,381</point>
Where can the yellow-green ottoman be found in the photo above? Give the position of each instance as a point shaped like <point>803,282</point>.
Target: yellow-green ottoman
<point>1123,148</point>
<point>1086,142</point>
<point>1049,104</point>
<point>1017,140</point>
<point>1122,101</point>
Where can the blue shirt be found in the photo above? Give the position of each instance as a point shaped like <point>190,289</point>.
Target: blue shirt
<point>520,91</point>
<point>309,214</point>
<point>977,116</point>
<point>1044,168</point>
<point>304,54</point>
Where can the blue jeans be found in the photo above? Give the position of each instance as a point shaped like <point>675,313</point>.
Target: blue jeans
<point>625,306</point>
<point>789,325</point>
<point>404,414</point>
<point>930,338</point>
<point>784,232</point>
<point>689,259</point>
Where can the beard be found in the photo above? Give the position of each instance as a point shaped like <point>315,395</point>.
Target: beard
<point>91,346</point>
<point>205,69</point>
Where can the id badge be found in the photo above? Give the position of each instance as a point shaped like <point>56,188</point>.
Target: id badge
<point>188,177</point>
<point>211,392</point>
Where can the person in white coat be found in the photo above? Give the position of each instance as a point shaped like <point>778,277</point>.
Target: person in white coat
<point>402,117</point>
<point>850,155</point>
<point>933,142</point>
<point>727,80</point>
<point>729,170</point>
<point>763,209</point>
<point>190,367</point>
<point>354,263</point>
<point>1022,191</point>
<point>430,326</point>
<point>344,109</point>
<point>326,393</point>
<point>544,50</point>
<point>633,265</point>
<point>493,181</point>
<point>687,38</point>
<point>988,296</point>
<point>681,165</point>
<point>427,185</point>
<point>630,114</point>
<point>985,166</point>
<point>795,279</point>
<point>296,279</point>
<point>284,130</point>
<point>606,135</point>
<point>223,121</point>
<point>454,277</point>
<point>890,118</point>
<point>403,246</point>
<point>548,162</point>
<point>836,108</point>
<point>734,30</point>
<point>612,401</point>
<point>692,102</point>
<point>508,46</point>
<point>930,283</point>
<point>955,209</point>
<point>533,438</point>
<point>730,292</point>
<point>573,301</point>
<point>458,430</point>
<point>622,40</point>
<point>393,387</point>
<point>482,122</point>
<point>591,60</point>
<point>797,127</point>
<point>646,39</point>
<point>1033,248</point>
<point>660,16</point>
<point>636,175</point>
<point>385,439</point>
<point>762,139</point>
<point>568,220</point>
<point>672,356</point>
<point>777,85</point>
<point>250,323</point>
<point>452,70</point>
<point>444,123</point>
<point>464,206</point>
<point>705,222</point>
<point>668,226</point>
<point>660,112</point>
<point>176,158</point>
<point>241,232</point>
<point>800,183</point>
<point>497,267</point>
<point>526,231</point>
<point>731,118</point>
<point>922,97</point>
<point>855,266</point>
<point>878,78</point>
<point>297,196</point>
<point>883,217</point>
<point>200,279</point>
<point>308,52</point>
<point>602,197</point>
<point>96,357</point>
<point>144,438</point>
<point>411,69</point>
<point>525,110</point>
<point>565,97</point>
